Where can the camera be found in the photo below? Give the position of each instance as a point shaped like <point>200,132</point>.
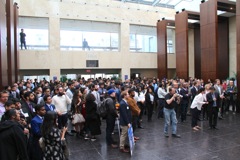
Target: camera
<point>179,95</point>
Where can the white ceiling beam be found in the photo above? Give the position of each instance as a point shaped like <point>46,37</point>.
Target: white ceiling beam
<point>155,2</point>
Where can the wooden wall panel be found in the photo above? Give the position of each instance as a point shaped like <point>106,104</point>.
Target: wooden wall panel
<point>10,41</point>
<point>181,24</point>
<point>16,43</point>
<point>197,53</point>
<point>3,47</point>
<point>223,49</point>
<point>209,40</point>
<point>162,49</point>
<point>238,45</point>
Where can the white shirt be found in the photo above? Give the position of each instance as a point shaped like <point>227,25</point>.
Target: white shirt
<point>97,96</point>
<point>141,97</point>
<point>198,101</point>
<point>151,97</point>
<point>161,93</point>
<point>61,103</point>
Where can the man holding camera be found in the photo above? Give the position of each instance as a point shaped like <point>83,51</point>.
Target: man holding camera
<point>172,100</point>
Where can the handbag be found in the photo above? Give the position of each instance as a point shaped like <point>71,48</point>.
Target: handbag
<point>42,143</point>
<point>78,118</point>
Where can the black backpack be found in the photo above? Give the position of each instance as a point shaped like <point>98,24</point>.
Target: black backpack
<point>103,108</point>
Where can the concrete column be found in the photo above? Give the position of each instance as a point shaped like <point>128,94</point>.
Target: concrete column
<point>54,33</point>
<point>124,50</point>
<point>54,73</point>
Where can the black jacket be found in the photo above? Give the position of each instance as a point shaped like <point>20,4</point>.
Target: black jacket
<point>13,142</point>
<point>210,100</point>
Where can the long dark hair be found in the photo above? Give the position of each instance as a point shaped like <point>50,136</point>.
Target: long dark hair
<point>49,122</point>
<point>75,97</point>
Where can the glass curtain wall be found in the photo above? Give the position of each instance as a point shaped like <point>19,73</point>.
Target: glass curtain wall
<point>36,30</point>
<point>89,35</point>
<point>143,38</point>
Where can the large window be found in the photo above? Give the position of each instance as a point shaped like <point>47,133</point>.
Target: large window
<point>36,30</point>
<point>88,35</point>
<point>170,44</point>
<point>143,39</point>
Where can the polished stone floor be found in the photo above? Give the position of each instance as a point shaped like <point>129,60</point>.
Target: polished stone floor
<point>222,144</point>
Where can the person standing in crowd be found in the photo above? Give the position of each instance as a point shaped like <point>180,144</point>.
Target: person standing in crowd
<point>196,106</point>
<point>94,91</point>
<point>195,88</point>
<point>232,96</point>
<point>8,105</point>
<point>69,93</point>
<point>23,39</point>
<point>102,91</point>
<point>177,108</point>
<point>172,100</point>
<point>219,89</point>
<point>3,99</point>
<point>149,101</point>
<point>46,92</point>
<point>61,101</point>
<point>213,99</point>
<point>161,100</point>
<point>111,117</point>
<point>13,142</point>
<point>53,137</point>
<point>36,122</point>
<point>28,105</point>
<point>125,120</point>
<point>134,109</point>
<point>204,110</point>
<point>141,104</point>
<point>48,103</point>
<point>93,122</point>
<point>184,101</point>
<point>76,109</point>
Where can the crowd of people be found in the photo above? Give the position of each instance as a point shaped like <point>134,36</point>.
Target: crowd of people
<point>35,116</point>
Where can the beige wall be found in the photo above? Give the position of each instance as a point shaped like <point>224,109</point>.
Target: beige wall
<point>232,46</point>
<point>94,10</point>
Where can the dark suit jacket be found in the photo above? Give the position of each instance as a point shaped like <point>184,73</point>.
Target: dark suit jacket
<point>47,108</point>
<point>193,92</point>
<point>210,100</point>
<point>185,98</point>
<point>27,110</point>
<point>125,113</point>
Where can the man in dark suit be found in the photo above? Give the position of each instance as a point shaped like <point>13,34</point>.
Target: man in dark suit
<point>184,102</point>
<point>36,122</point>
<point>125,120</point>
<point>29,106</point>
<point>48,103</point>
<point>213,106</point>
<point>194,89</point>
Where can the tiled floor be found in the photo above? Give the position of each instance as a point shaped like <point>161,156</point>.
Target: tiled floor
<point>222,144</point>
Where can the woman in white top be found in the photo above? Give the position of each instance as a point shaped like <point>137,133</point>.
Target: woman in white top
<point>196,106</point>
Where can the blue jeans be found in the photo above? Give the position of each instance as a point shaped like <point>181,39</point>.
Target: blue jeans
<point>170,116</point>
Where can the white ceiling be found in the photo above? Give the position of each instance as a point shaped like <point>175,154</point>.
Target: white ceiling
<point>178,5</point>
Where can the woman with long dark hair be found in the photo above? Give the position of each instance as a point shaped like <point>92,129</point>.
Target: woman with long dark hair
<point>53,137</point>
<point>149,100</point>
<point>92,118</point>
<point>76,109</point>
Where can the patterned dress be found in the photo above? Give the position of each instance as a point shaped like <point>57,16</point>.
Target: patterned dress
<point>53,147</point>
